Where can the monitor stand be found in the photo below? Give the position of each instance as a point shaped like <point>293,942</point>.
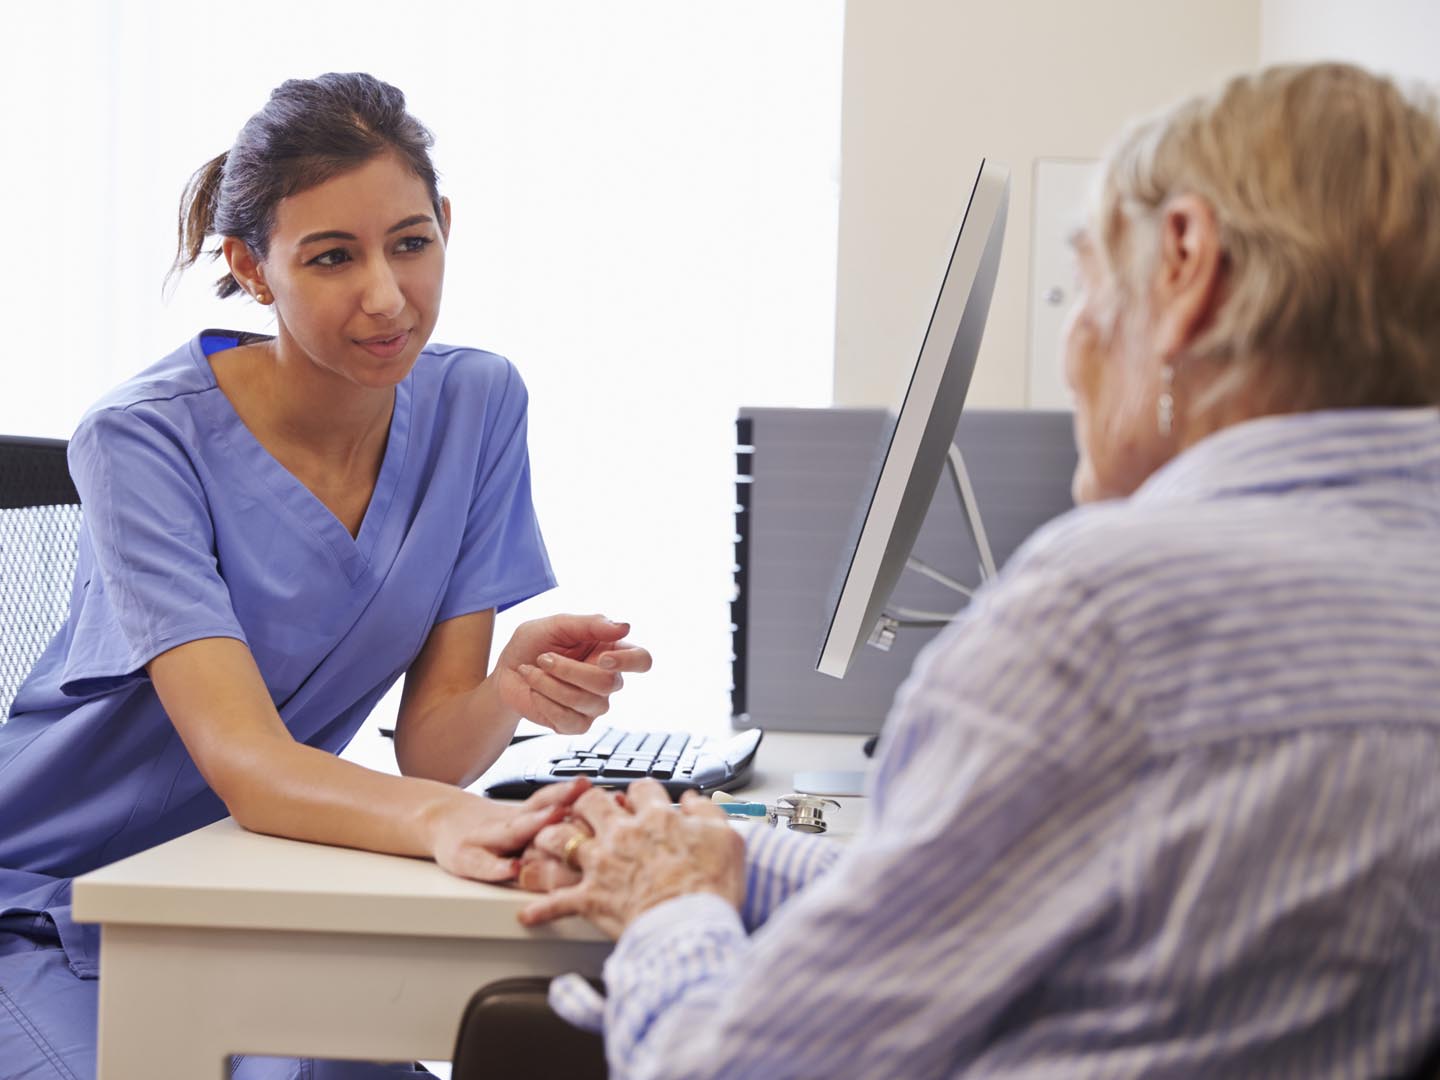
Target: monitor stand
<point>895,618</point>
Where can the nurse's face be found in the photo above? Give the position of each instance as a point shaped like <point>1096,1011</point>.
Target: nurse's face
<point>356,266</point>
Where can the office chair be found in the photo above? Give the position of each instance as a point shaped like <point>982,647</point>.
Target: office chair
<point>39,528</point>
<point>1429,1069</point>
<point>509,1032</point>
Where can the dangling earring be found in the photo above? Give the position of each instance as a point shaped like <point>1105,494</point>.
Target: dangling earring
<point>1165,403</point>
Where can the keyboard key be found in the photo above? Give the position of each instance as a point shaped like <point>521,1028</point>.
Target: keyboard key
<point>662,770</point>
<point>575,768</point>
<point>608,742</point>
<point>674,746</point>
<point>652,744</point>
<point>630,744</point>
<point>624,769</point>
<point>583,744</point>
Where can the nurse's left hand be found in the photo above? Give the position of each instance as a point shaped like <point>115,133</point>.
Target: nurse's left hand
<point>560,671</point>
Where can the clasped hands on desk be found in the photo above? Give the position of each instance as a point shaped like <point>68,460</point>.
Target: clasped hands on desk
<point>225,941</point>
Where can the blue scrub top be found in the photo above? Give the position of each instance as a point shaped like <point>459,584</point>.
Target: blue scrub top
<point>192,530</point>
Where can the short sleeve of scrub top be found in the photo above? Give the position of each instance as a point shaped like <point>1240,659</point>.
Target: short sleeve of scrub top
<point>153,578</point>
<point>502,558</point>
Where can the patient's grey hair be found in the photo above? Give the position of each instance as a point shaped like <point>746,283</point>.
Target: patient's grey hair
<point>1325,183</point>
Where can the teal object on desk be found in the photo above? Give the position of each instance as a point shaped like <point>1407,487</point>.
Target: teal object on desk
<point>744,809</point>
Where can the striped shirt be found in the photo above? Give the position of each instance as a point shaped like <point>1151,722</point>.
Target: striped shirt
<point>1164,802</point>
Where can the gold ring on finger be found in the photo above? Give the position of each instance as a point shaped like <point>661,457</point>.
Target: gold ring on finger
<point>572,848</point>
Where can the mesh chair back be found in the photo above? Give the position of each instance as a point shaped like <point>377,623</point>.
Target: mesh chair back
<point>39,530</point>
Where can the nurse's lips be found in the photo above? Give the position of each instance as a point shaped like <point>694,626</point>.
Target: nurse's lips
<point>385,345</point>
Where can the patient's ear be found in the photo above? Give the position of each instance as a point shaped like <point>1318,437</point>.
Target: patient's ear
<point>1189,265</point>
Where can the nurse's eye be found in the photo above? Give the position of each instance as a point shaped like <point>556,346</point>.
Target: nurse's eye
<point>412,245</point>
<point>333,257</point>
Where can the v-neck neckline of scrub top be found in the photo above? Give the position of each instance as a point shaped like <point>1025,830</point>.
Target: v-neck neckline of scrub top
<point>353,553</point>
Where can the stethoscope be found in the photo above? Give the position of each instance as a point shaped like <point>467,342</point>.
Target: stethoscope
<point>803,813</point>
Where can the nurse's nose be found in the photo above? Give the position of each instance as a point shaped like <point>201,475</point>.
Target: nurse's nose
<point>382,296</point>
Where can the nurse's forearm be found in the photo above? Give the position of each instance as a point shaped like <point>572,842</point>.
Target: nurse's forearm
<point>222,710</point>
<point>297,791</point>
<point>457,738</point>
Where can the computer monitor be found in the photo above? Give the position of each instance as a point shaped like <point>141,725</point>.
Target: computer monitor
<point>920,441</point>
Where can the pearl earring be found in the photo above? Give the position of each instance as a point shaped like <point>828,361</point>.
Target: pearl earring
<point>1165,403</point>
<point>261,296</point>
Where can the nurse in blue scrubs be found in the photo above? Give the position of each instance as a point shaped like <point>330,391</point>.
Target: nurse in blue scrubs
<point>276,529</point>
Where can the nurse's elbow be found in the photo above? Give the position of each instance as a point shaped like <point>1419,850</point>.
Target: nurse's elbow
<point>249,817</point>
<point>252,778</point>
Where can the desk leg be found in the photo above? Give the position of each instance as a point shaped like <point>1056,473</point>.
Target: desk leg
<point>146,1021</point>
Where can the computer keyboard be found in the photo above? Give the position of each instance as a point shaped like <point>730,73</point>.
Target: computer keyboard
<point>612,757</point>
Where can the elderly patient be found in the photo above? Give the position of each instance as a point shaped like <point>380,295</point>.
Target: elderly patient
<point>1166,800</point>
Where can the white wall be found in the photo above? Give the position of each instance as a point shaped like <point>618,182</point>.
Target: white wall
<point>930,87</point>
<point>1398,37</point>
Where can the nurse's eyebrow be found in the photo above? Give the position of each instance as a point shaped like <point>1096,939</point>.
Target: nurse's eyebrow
<point>336,234</point>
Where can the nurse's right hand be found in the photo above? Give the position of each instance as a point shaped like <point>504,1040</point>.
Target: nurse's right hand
<point>480,838</point>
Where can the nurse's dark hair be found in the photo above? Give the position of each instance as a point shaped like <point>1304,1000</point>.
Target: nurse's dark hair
<point>310,131</point>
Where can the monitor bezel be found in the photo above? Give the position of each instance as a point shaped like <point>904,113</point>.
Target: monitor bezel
<point>925,425</point>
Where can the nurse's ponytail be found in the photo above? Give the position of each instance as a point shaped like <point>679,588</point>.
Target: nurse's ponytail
<point>310,131</point>
<point>197,221</point>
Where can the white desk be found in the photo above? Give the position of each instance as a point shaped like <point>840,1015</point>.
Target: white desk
<point>226,942</point>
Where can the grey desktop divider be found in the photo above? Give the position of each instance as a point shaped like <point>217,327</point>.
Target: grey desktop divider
<point>803,477</point>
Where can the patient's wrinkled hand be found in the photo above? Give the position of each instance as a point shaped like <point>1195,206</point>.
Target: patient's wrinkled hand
<point>542,872</point>
<point>548,862</point>
<point>615,859</point>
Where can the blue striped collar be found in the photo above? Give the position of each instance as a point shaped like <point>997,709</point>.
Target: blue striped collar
<point>1311,449</point>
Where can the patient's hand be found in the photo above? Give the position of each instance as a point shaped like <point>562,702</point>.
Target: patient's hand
<point>542,872</point>
<point>478,838</point>
<point>635,853</point>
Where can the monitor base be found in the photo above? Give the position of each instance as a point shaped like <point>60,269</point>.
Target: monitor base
<point>895,618</point>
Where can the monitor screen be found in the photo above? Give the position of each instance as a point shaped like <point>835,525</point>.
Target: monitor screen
<point>925,425</point>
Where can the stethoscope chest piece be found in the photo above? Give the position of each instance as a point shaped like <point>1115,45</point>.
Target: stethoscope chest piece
<point>806,812</point>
